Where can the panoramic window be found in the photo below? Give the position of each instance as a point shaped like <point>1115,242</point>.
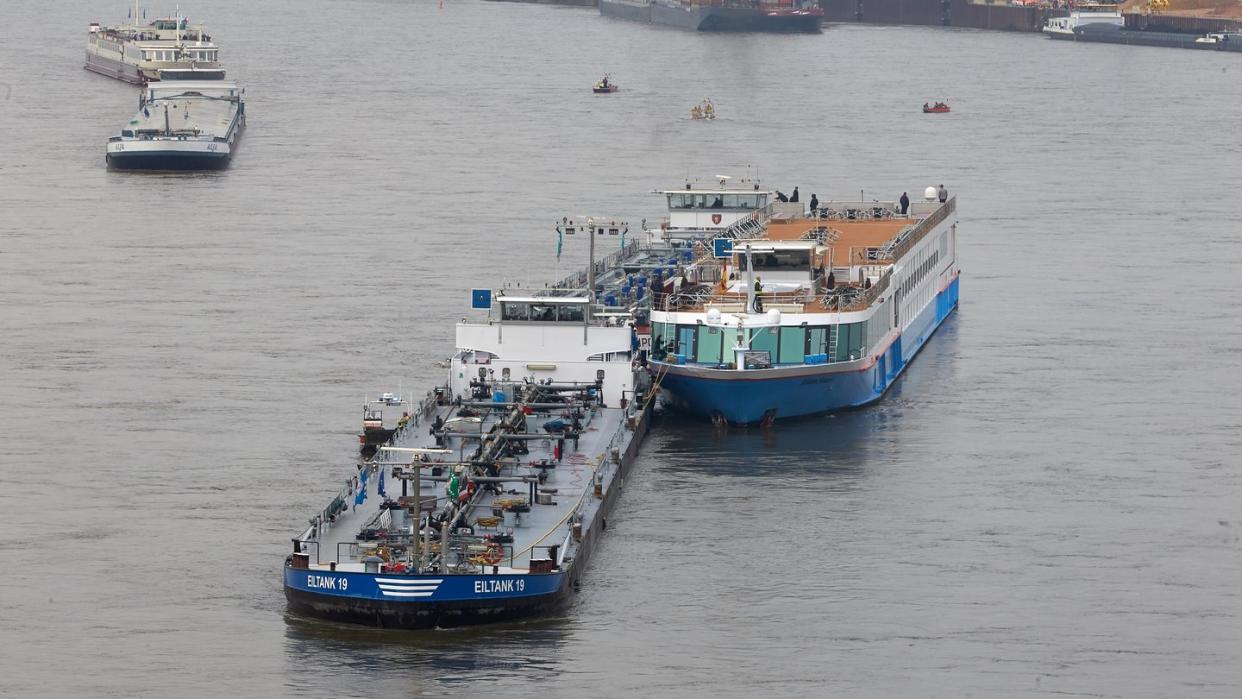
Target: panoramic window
<point>514,311</point>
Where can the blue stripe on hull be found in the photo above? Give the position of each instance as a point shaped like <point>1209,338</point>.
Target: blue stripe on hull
<point>745,402</point>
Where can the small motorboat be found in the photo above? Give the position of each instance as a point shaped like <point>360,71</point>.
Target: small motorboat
<point>936,108</point>
<point>604,86</point>
<point>390,399</point>
<point>703,110</point>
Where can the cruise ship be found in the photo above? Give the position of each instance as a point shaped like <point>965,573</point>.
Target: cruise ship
<point>164,49</point>
<point>181,125</point>
<point>799,16</point>
<point>787,312</point>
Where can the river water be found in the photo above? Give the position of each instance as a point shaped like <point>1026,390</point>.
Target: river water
<point>1046,503</point>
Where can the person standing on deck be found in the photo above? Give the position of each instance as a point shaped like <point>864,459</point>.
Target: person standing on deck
<point>793,197</point>
<point>814,204</point>
<point>944,194</point>
<point>905,203</point>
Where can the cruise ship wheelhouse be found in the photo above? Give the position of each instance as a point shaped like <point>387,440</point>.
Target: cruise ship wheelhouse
<point>811,313</point>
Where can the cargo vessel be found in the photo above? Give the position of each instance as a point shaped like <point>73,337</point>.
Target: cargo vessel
<point>796,312</point>
<point>485,505</point>
<point>181,125</point>
<point>797,16</point>
<point>164,49</point>
<point>1106,24</point>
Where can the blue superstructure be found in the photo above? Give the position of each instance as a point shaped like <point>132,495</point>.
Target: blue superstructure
<point>813,314</point>
<point>748,399</point>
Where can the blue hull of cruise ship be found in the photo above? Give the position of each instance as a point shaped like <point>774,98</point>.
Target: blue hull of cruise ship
<point>745,401</point>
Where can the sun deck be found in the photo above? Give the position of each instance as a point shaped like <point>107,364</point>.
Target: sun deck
<point>835,259</point>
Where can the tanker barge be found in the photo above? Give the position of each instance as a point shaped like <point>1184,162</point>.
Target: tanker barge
<point>485,505</point>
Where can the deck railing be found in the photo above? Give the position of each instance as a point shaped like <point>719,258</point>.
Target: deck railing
<point>578,280</point>
<point>922,228</point>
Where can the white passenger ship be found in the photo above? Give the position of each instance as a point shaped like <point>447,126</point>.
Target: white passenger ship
<point>787,313</point>
<point>164,49</point>
<point>181,125</point>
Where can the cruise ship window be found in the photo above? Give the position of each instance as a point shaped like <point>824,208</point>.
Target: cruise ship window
<point>709,345</point>
<point>685,340</point>
<point>764,340</point>
<point>514,311</point>
<point>542,312</point>
<point>817,340</point>
<point>571,312</point>
<point>792,346</point>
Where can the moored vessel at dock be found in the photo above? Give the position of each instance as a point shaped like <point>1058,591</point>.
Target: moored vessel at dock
<point>1081,16</point>
<point>165,49</point>
<point>181,125</point>
<point>720,15</point>
<point>1106,24</point>
<point>793,315</point>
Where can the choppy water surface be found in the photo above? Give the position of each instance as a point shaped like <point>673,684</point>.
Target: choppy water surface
<point>1047,502</point>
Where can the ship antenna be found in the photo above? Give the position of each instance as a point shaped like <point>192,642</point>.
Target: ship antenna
<point>591,270</point>
<point>750,282</point>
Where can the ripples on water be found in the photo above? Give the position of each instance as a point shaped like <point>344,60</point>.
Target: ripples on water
<point>1046,503</point>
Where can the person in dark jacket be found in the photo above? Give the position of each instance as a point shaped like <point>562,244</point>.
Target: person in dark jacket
<point>944,194</point>
<point>905,203</point>
<point>814,204</point>
<point>780,196</point>
<point>794,197</point>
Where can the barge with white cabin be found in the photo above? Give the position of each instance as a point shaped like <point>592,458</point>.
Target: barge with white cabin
<point>486,504</point>
<point>167,48</point>
<point>181,125</point>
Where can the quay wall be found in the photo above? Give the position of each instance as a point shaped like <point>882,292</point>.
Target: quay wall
<point>573,3</point>
<point>1182,23</point>
<point>949,13</point>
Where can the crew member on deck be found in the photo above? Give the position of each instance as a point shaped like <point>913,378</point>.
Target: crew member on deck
<point>794,197</point>
<point>814,204</point>
<point>905,203</point>
<point>944,194</point>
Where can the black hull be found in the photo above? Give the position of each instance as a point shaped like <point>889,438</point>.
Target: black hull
<point>1133,37</point>
<point>167,162</point>
<point>712,19</point>
<point>778,25</point>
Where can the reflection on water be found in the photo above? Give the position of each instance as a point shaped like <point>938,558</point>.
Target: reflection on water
<point>1030,510</point>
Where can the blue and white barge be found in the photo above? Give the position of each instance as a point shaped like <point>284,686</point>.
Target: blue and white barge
<point>807,313</point>
<point>484,506</point>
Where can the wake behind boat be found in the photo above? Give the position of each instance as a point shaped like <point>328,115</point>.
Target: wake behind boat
<point>797,16</point>
<point>181,125</point>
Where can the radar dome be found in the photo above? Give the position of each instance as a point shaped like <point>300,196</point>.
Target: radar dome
<point>774,317</point>
<point>930,194</point>
<point>713,316</point>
